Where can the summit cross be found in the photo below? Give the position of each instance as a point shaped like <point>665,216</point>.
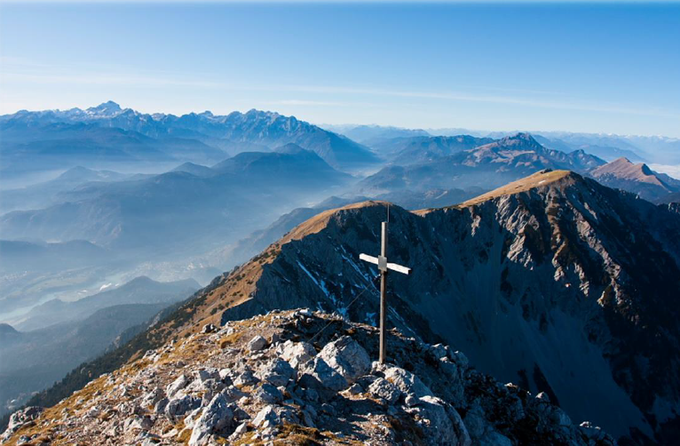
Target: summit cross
<point>384,266</point>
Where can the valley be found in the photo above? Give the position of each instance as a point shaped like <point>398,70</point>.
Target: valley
<point>518,248</point>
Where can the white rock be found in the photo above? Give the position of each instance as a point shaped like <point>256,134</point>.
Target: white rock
<point>240,430</point>
<point>268,394</point>
<point>318,373</point>
<point>277,372</point>
<point>19,418</point>
<point>346,357</point>
<point>406,381</point>
<point>296,353</point>
<point>181,382</point>
<point>215,417</point>
<point>257,343</point>
<point>267,417</point>
<point>385,390</point>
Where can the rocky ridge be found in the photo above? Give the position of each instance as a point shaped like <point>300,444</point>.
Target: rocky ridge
<point>300,377</point>
<point>552,260</point>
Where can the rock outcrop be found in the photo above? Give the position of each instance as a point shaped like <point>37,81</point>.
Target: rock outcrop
<point>553,281</point>
<point>221,390</point>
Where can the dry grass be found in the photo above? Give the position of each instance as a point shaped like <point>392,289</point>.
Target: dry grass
<point>523,185</point>
<point>320,221</point>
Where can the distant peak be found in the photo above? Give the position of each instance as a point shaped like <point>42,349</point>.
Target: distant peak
<point>521,136</point>
<point>539,179</point>
<point>141,280</point>
<point>7,329</point>
<point>256,112</point>
<point>108,108</point>
<point>622,160</point>
<point>76,172</point>
<point>290,148</point>
<point>623,168</point>
<point>320,221</point>
<point>109,105</point>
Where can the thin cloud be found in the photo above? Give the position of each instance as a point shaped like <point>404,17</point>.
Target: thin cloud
<point>306,103</point>
<point>19,73</point>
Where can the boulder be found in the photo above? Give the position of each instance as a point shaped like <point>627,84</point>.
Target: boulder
<point>208,373</point>
<point>150,399</point>
<point>257,343</point>
<point>268,394</point>
<point>406,381</point>
<point>296,353</point>
<point>459,359</point>
<point>385,390</point>
<point>246,378</point>
<point>438,351</point>
<point>215,417</point>
<point>181,382</point>
<point>181,405</point>
<point>19,418</point>
<point>442,424</point>
<point>455,380</point>
<point>277,372</point>
<point>595,434</point>
<point>347,358</point>
<point>318,374</point>
<point>267,417</point>
<point>238,432</point>
<point>137,423</point>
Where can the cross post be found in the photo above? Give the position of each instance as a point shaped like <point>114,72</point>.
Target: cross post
<point>384,267</point>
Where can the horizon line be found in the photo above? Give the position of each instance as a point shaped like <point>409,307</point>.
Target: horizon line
<point>324,125</point>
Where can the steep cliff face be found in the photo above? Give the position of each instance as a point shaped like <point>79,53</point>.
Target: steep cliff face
<point>554,282</point>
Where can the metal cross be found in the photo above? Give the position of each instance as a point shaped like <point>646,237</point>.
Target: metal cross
<point>383,266</point>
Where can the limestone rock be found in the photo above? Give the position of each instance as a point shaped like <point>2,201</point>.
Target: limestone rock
<point>181,382</point>
<point>296,353</point>
<point>215,417</point>
<point>382,388</point>
<point>19,418</point>
<point>318,374</point>
<point>257,343</point>
<point>347,358</point>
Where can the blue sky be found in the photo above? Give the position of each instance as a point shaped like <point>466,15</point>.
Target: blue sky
<point>612,68</point>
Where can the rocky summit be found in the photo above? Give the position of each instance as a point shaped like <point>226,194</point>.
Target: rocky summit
<point>300,377</point>
<point>553,282</point>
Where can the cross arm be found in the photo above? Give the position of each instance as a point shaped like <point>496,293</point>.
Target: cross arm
<point>369,259</point>
<point>390,266</point>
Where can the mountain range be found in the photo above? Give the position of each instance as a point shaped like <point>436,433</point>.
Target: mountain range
<point>485,166</point>
<point>222,200</point>
<point>113,135</point>
<point>653,149</point>
<point>421,149</point>
<point>508,263</point>
<point>553,282</point>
